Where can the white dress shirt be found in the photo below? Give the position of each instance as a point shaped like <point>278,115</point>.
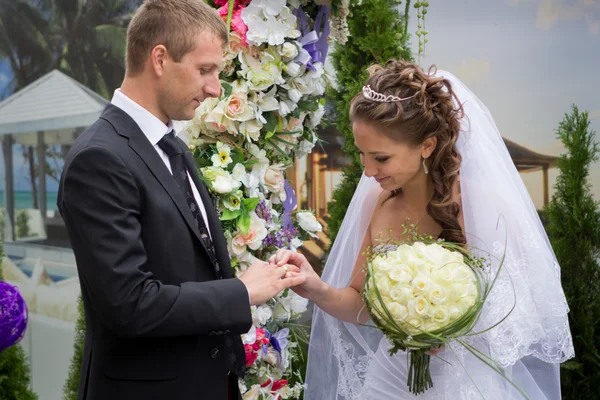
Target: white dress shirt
<point>154,129</point>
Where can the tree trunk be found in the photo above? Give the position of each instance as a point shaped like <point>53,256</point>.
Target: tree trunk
<point>32,175</point>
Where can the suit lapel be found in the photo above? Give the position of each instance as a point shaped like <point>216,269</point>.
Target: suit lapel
<point>214,223</point>
<point>138,142</point>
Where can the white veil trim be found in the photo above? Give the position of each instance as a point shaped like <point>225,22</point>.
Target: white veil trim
<point>341,354</point>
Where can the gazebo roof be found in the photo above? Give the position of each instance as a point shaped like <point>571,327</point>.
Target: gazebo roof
<point>528,160</point>
<point>54,103</point>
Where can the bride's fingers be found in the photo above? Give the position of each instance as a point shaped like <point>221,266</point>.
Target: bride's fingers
<point>282,257</point>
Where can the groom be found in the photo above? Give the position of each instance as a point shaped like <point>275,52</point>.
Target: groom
<point>163,311</point>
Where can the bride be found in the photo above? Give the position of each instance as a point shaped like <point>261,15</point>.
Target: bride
<point>432,154</point>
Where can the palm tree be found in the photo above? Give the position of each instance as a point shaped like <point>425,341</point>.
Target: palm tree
<point>24,42</point>
<point>89,40</point>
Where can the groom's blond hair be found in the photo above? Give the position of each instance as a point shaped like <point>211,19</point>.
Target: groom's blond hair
<point>172,23</point>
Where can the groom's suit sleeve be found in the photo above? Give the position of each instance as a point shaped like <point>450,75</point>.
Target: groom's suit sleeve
<point>101,206</point>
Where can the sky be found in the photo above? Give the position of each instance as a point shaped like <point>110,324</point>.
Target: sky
<point>528,61</point>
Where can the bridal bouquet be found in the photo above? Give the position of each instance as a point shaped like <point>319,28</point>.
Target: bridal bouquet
<point>271,103</point>
<point>421,294</point>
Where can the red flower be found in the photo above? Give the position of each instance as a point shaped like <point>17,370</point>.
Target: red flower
<point>279,384</point>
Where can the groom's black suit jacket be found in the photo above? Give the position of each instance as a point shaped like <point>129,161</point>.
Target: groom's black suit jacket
<point>157,315</point>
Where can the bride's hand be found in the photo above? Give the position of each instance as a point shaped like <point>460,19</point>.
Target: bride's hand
<point>313,286</point>
<point>435,350</point>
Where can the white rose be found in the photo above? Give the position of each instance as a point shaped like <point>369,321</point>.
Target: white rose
<point>308,222</point>
<point>401,294</point>
<point>440,315</point>
<point>420,284</point>
<point>382,263</point>
<point>437,294</point>
<point>463,273</point>
<point>401,273</point>
<point>466,303</point>
<point>420,305</point>
<point>222,185</point>
<point>454,313</point>
<point>220,179</point>
<point>384,285</point>
<point>414,326</point>
<point>253,239</point>
<point>288,51</point>
<point>398,311</point>
<point>274,179</point>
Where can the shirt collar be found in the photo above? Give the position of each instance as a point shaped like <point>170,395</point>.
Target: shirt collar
<point>153,128</point>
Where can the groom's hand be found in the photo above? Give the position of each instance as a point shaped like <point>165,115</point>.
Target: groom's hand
<point>313,287</point>
<point>265,280</point>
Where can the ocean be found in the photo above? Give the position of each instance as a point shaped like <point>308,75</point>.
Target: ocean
<point>23,200</point>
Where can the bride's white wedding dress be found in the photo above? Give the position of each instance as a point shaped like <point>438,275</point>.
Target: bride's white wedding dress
<point>348,361</point>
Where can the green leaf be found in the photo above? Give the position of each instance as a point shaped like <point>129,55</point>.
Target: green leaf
<point>229,215</point>
<point>271,122</point>
<point>227,88</point>
<point>250,204</point>
<point>244,221</point>
<point>269,134</point>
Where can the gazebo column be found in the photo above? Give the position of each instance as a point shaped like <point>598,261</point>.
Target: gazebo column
<point>546,189</point>
<point>41,148</point>
<point>9,189</point>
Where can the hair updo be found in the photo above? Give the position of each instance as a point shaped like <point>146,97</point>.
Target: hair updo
<point>427,110</point>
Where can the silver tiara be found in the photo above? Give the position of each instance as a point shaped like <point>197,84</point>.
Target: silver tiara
<point>381,98</point>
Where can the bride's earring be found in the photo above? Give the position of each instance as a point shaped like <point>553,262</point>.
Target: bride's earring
<point>425,167</point>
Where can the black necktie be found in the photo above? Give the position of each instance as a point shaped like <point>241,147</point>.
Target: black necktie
<point>234,349</point>
<point>170,145</point>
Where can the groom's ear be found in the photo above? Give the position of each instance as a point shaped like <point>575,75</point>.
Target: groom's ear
<point>158,56</point>
<point>428,147</point>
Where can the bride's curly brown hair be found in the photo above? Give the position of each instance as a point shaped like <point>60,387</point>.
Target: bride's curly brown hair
<point>430,112</point>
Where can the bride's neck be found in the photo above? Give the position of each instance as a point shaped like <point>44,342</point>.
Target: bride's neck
<point>417,194</point>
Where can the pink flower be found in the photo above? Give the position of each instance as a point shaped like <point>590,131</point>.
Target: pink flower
<point>237,24</point>
<point>251,354</point>
<point>279,384</point>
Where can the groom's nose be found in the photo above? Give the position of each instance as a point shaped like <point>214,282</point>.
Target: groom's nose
<point>212,86</point>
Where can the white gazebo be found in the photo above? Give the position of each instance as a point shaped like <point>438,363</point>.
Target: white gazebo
<point>54,109</point>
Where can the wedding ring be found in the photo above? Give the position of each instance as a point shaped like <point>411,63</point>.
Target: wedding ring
<point>285,268</point>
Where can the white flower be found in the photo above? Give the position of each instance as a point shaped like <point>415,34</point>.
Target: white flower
<point>222,158</point>
<point>237,108</point>
<point>221,181</point>
<point>274,179</point>
<point>315,117</point>
<point>261,315</point>
<point>260,75</point>
<point>294,95</point>
<point>288,51</point>
<point>233,200</point>
<point>308,222</point>
<point>268,21</point>
<point>250,337</point>
<point>288,306</point>
<point>294,69</point>
<point>253,393</point>
<point>239,171</point>
<point>251,130</point>
<point>253,239</point>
